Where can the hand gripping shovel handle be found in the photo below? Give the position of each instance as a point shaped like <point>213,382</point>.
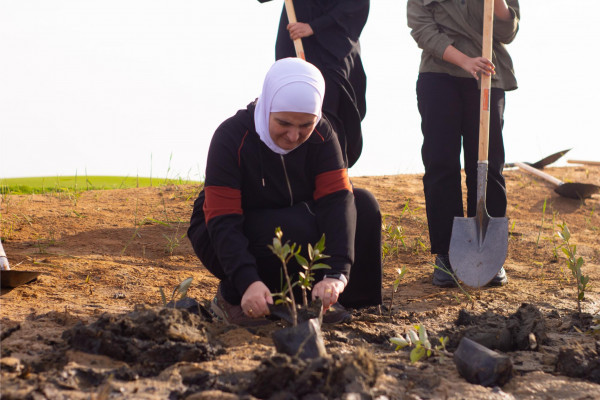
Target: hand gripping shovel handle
<point>291,14</point>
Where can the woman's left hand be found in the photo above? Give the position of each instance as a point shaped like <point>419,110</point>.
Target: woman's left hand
<point>328,290</point>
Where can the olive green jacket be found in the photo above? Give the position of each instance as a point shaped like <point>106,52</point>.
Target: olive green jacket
<point>437,24</point>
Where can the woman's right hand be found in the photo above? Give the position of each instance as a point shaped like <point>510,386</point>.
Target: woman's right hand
<point>256,299</point>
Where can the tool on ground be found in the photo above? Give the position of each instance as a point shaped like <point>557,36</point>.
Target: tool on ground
<point>583,162</point>
<point>572,190</point>
<point>544,161</point>
<point>13,278</point>
<point>479,244</point>
<point>291,14</point>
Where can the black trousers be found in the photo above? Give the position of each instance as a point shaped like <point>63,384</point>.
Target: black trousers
<point>299,225</point>
<point>449,108</point>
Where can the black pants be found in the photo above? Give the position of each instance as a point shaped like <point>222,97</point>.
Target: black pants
<point>298,225</point>
<point>449,108</point>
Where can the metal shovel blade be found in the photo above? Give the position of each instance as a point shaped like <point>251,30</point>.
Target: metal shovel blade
<point>479,244</point>
<point>13,279</point>
<point>476,254</point>
<point>549,160</point>
<point>574,190</point>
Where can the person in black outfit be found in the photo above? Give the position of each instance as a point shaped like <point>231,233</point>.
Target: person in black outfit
<point>330,31</point>
<point>278,163</point>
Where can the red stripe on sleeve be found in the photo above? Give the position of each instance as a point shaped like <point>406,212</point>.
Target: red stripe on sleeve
<point>330,182</point>
<point>221,200</point>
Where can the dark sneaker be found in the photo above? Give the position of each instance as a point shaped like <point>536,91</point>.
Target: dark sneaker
<point>443,274</point>
<point>232,314</point>
<point>500,279</point>
<point>336,314</point>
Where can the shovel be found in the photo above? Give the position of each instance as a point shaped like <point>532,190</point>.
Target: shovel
<point>544,161</point>
<point>12,278</point>
<point>571,190</point>
<point>479,244</point>
<point>291,14</point>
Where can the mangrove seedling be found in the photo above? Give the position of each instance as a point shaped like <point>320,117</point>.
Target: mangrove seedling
<point>400,273</point>
<point>573,262</point>
<point>422,346</point>
<point>285,252</point>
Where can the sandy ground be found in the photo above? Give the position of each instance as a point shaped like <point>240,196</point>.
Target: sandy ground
<point>101,253</point>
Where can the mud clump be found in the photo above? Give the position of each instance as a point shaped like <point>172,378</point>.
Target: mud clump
<point>579,362</point>
<point>148,340</point>
<point>282,376</point>
<point>523,330</point>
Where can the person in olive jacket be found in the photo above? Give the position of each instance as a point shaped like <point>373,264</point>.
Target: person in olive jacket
<point>278,163</point>
<point>450,34</point>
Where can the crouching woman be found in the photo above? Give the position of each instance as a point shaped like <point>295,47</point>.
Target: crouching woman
<point>278,163</point>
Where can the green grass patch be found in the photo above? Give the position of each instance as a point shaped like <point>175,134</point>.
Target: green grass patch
<point>53,184</point>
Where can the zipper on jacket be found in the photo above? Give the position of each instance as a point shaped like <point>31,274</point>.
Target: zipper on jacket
<point>287,180</point>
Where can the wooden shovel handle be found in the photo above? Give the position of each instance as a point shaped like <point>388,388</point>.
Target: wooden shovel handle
<point>543,175</point>
<point>583,162</point>
<point>291,14</point>
<point>486,81</point>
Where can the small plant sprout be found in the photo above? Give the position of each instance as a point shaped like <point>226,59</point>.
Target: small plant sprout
<point>306,277</point>
<point>537,243</point>
<point>573,262</point>
<point>285,252</point>
<point>400,274</point>
<point>422,346</point>
<point>180,290</point>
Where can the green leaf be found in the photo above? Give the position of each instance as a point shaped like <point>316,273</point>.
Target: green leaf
<point>301,260</point>
<point>320,266</point>
<point>400,342</point>
<point>413,336</point>
<point>320,246</point>
<point>417,353</point>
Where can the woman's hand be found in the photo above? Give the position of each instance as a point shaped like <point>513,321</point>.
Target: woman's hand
<point>478,65</point>
<point>298,30</point>
<point>473,65</point>
<point>256,299</point>
<point>328,290</point>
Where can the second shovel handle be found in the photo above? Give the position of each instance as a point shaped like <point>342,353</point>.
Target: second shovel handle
<point>543,175</point>
<point>291,14</point>
<point>583,162</point>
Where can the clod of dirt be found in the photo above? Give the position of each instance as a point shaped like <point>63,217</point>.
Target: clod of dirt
<point>524,330</point>
<point>147,339</point>
<point>283,376</point>
<point>579,362</point>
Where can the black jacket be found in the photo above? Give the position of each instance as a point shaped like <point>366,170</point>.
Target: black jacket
<point>243,174</point>
<point>335,50</point>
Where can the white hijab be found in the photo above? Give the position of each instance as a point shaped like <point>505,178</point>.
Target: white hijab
<point>291,85</point>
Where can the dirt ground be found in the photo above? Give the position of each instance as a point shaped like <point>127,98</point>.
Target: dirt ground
<point>93,327</point>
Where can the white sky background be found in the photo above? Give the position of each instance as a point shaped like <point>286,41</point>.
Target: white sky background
<point>133,87</point>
